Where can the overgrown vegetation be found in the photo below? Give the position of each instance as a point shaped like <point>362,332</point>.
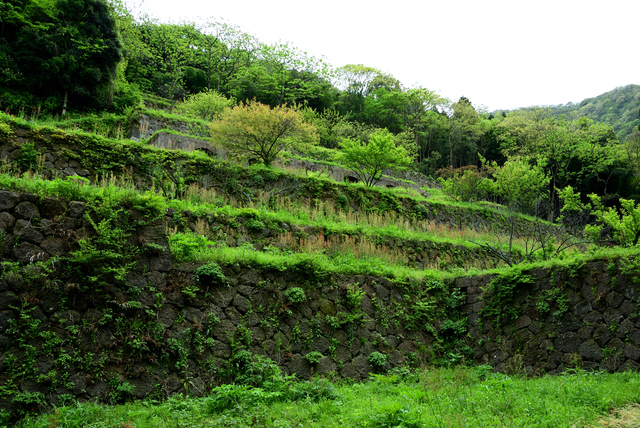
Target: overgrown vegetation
<point>509,193</point>
<point>472,397</point>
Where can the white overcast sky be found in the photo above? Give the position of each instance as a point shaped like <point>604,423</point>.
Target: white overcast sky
<point>500,54</point>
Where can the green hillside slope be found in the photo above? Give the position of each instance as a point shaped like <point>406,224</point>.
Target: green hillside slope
<point>619,108</point>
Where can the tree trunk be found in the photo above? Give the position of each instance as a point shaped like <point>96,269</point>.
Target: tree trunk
<point>64,103</point>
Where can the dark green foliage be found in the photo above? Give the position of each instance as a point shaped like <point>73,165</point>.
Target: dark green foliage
<point>66,49</point>
<point>27,157</point>
<point>210,274</point>
<point>500,294</point>
<point>342,201</point>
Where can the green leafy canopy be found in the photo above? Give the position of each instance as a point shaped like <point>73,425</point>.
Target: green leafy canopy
<point>368,159</point>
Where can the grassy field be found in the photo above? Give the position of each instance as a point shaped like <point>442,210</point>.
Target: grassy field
<point>434,397</point>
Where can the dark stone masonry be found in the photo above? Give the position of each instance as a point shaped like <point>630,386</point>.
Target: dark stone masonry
<point>158,331</point>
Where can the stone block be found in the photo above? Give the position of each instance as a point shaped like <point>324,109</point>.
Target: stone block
<point>591,351</point>
<point>8,200</point>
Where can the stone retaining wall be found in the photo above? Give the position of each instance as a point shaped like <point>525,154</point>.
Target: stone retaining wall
<point>159,331</point>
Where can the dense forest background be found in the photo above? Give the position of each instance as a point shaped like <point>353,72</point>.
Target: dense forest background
<point>90,56</point>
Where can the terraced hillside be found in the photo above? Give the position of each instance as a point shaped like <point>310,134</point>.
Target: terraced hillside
<point>133,271</point>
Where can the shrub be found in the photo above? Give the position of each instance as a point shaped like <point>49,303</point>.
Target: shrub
<point>207,105</point>
<point>254,225</point>
<point>184,246</point>
<point>27,157</point>
<point>5,132</point>
<point>210,274</point>
<point>378,360</point>
<point>313,357</point>
<point>295,295</point>
<point>342,201</point>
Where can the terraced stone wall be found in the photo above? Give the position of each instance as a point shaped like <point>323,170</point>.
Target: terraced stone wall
<point>70,155</point>
<point>157,330</point>
<point>584,316</point>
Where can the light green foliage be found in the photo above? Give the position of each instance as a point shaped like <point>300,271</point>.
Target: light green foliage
<point>353,297</point>
<point>255,130</point>
<point>378,360</point>
<point>295,295</point>
<point>368,159</point>
<point>313,357</point>
<point>625,221</point>
<point>518,183</point>
<point>187,246</point>
<point>207,105</point>
<point>402,399</point>
<point>547,298</point>
<point>5,132</point>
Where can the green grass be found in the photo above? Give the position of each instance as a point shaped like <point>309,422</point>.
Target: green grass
<point>350,260</point>
<point>436,397</point>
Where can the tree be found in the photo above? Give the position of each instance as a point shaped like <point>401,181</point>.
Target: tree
<point>368,160</point>
<point>568,152</point>
<point>519,184</point>
<point>68,48</point>
<point>358,82</point>
<point>256,130</point>
<point>224,53</point>
<point>207,105</point>
<point>286,75</point>
<point>464,132</point>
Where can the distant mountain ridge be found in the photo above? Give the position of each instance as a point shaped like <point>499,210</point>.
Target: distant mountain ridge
<point>619,108</point>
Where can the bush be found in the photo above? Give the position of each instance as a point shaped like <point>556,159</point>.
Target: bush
<point>295,295</point>
<point>184,246</point>
<point>207,105</point>
<point>255,225</point>
<point>313,357</point>
<point>378,360</point>
<point>246,368</point>
<point>210,274</point>
<point>342,201</point>
<point>462,184</point>
<point>27,157</point>
<point>5,132</point>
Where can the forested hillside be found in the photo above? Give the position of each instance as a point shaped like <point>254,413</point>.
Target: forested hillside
<point>618,108</point>
<point>55,58</point>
